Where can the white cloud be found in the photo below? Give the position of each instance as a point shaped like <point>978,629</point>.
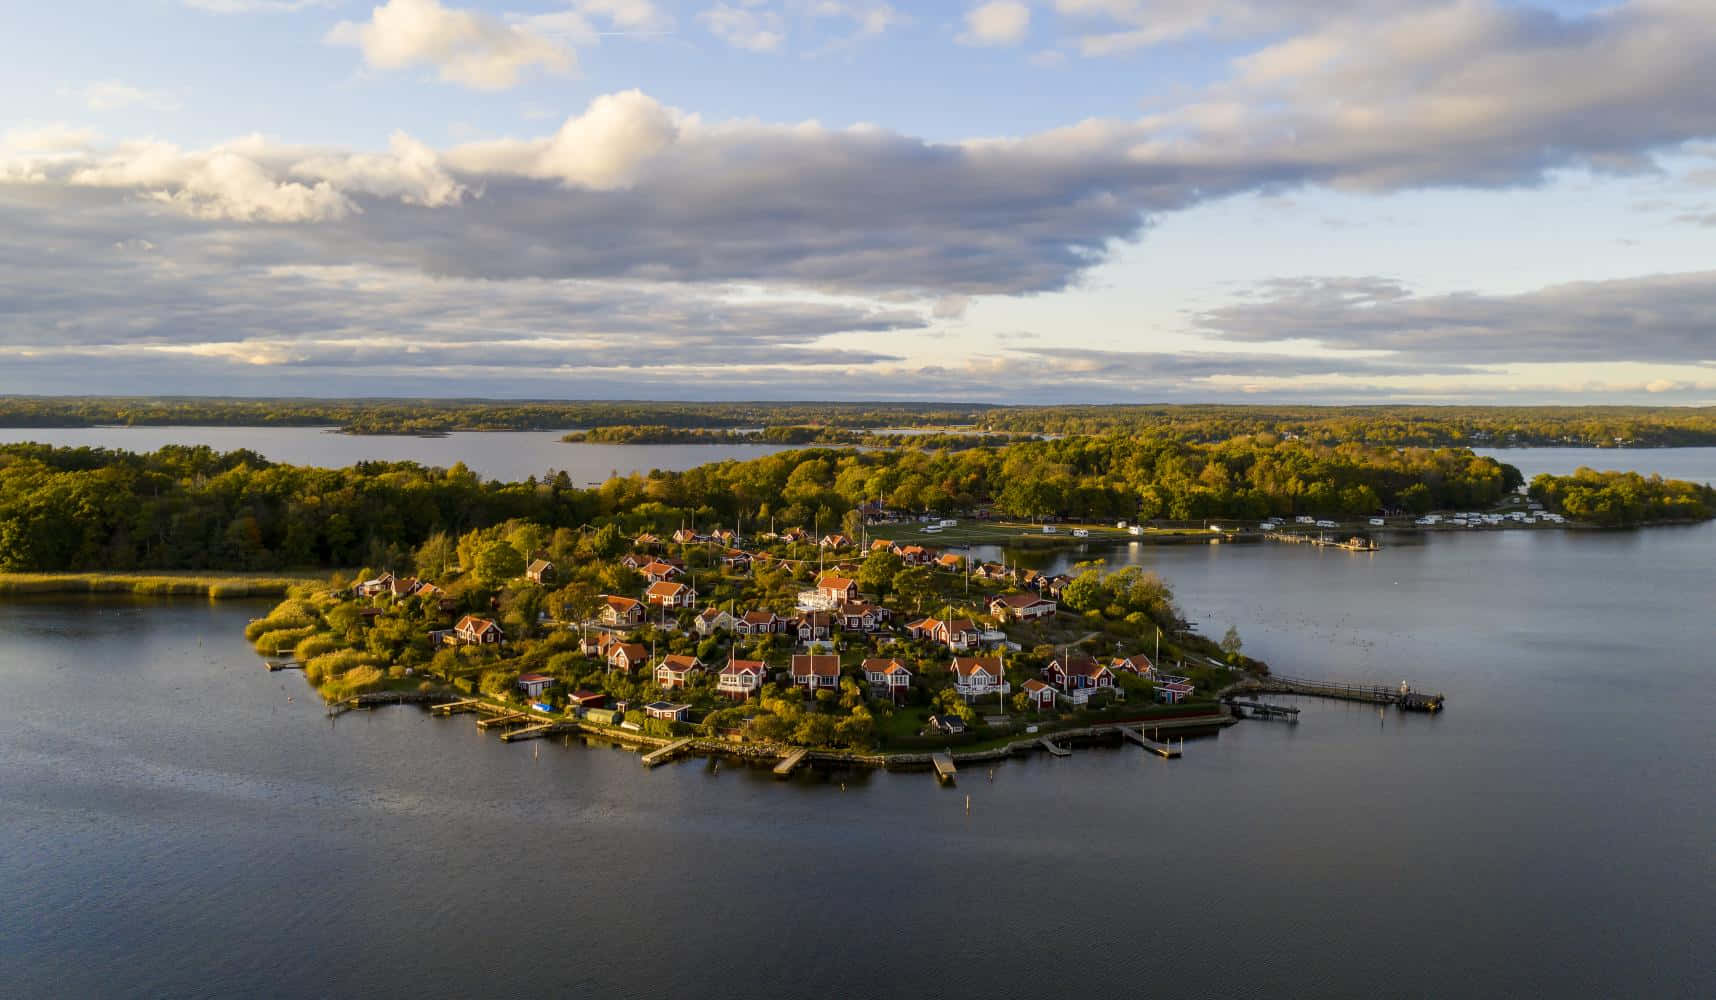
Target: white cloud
<point>112,95</point>
<point>410,172</point>
<point>747,26</point>
<point>601,149</point>
<point>999,22</point>
<point>466,47</point>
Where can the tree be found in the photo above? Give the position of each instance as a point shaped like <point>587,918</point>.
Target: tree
<point>876,574</point>
<point>1230,642</point>
<point>915,586</point>
<point>499,562</point>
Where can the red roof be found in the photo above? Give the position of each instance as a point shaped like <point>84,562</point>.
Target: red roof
<point>819,664</point>
<point>965,666</point>
<point>534,678</point>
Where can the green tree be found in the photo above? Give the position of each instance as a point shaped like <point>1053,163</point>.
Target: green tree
<point>1230,642</point>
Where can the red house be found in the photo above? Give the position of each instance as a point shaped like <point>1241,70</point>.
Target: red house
<point>816,670</point>
<point>888,676</point>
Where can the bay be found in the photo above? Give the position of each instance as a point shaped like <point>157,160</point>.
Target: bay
<point>174,825</point>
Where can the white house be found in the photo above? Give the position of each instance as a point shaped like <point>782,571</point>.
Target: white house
<point>978,676</point>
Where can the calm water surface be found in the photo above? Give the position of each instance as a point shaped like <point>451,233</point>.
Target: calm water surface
<point>506,455</point>
<point>173,824</point>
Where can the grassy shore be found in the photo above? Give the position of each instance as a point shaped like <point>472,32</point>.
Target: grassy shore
<point>214,585</point>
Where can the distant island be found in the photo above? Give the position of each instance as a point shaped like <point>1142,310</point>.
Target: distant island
<point>1401,426</point>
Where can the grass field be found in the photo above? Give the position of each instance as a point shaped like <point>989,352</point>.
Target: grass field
<point>215,585</point>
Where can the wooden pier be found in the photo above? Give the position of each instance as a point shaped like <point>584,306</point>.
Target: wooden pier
<point>1167,750</point>
<point>288,664</point>
<point>1058,751</point>
<point>666,753</point>
<point>1403,697</point>
<point>510,719</point>
<point>790,763</point>
<point>1352,543</point>
<point>945,771</point>
<point>455,707</point>
<point>541,729</point>
<point>1264,710</point>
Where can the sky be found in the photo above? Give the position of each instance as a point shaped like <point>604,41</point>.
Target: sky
<point>1010,201</point>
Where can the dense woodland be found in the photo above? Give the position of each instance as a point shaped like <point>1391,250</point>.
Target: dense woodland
<point>1426,426</point>
<point>1618,498</point>
<point>193,508</point>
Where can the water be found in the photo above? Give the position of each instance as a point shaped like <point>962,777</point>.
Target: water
<point>172,824</point>
<point>504,455</point>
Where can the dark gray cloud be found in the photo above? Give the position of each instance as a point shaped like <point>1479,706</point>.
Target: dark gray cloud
<point>1668,318</point>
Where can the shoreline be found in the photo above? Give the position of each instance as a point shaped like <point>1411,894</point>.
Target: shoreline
<point>166,583</point>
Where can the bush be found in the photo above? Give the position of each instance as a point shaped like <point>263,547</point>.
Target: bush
<point>274,640</point>
<point>314,646</point>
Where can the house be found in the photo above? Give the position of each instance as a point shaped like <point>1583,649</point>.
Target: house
<point>834,541</point>
<point>474,631</point>
<point>646,541</point>
<point>888,676</point>
<point>860,617</point>
<point>379,585</point>
<point>658,570</point>
<point>793,536</point>
<point>946,725</point>
<point>741,678</point>
<point>1041,696</point>
<point>671,595</point>
<point>726,536</point>
<point>1054,585</point>
<point>737,560</point>
<point>1137,663</point>
<point>540,571</point>
<point>959,634</point>
<point>1079,677</point>
<point>626,655</point>
<point>636,560</point>
<point>816,670</point>
<point>950,562</point>
<point>1022,607</point>
<point>977,676</point>
<point>534,684</point>
<point>713,620</point>
<point>685,536</point>
<point>913,555</point>
<point>621,611</point>
<point>838,589</point>
<point>814,626</point>
<point>881,545</point>
<point>668,711</point>
<point>676,670</point>
<point>402,587</point>
<point>992,572</point>
<point>586,699</point>
<point>1173,690</point>
<point>757,623</point>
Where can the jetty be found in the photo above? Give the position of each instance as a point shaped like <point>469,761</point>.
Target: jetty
<point>1353,543</point>
<point>455,707</point>
<point>541,729</point>
<point>509,719</point>
<point>1165,750</point>
<point>790,763</point>
<point>1051,747</point>
<point>945,771</point>
<point>287,664</point>
<point>666,753</point>
<point>1404,697</point>
<point>1265,710</point>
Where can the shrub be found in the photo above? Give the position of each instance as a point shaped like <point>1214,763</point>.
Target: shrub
<point>273,640</point>
<point>314,646</point>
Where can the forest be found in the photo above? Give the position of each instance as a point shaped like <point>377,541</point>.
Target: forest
<point>196,509</point>
<point>1421,426</point>
<point>1620,498</point>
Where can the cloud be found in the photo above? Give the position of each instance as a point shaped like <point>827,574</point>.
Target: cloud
<point>998,22</point>
<point>1663,318</point>
<point>951,307</point>
<point>602,149</point>
<point>466,47</point>
<point>111,95</point>
<point>746,26</point>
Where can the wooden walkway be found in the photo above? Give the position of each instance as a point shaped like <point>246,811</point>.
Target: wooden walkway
<point>274,665</point>
<point>1404,696</point>
<point>789,763</point>
<point>944,768</point>
<point>541,729</point>
<point>454,707</point>
<point>1167,750</point>
<point>1264,710</point>
<point>510,719</point>
<point>666,753</point>
<point>1058,751</point>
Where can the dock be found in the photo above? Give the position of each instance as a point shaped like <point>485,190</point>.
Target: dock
<point>1404,697</point>
<point>1352,543</point>
<point>287,664</point>
<point>1058,751</point>
<point>944,769</point>
<point>1168,750</point>
<point>666,753</point>
<point>790,763</point>
<point>1264,710</point>
<point>541,729</point>
<point>455,707</point>
<point>510,719</point>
